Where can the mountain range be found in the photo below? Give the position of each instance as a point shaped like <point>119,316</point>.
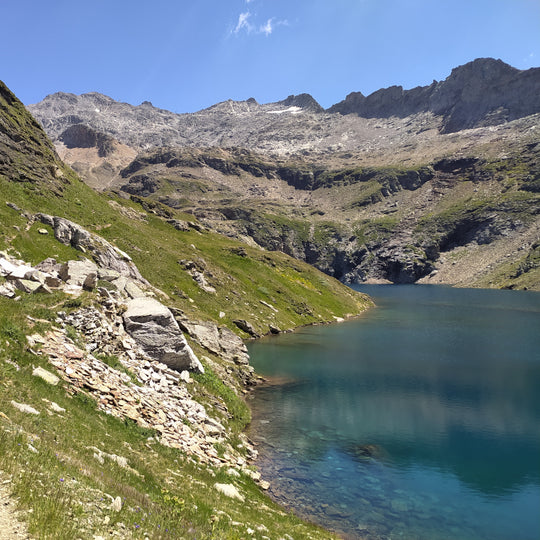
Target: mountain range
<point>436,184</point>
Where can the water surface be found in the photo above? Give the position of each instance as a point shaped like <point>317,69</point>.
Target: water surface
<point>421,419</point>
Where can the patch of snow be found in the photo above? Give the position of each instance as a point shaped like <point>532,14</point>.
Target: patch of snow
<point>292,110</point>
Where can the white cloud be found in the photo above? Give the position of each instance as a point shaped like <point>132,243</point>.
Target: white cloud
<point>243,23</point>
<point>266,29</point>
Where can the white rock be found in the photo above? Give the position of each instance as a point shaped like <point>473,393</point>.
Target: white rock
<point>20,272</point>
<point>116,505</point>
<point>47,376</point>
<point>23,407</point>
<point>6,267</point>
<point>56,408</point>
<point>230,491</point>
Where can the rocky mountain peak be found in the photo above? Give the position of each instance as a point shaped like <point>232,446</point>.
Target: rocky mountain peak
<point>482,92</point>
<point>304,101</point>
<point>487,69</point>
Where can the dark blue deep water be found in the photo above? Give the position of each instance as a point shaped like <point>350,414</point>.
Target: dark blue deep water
<point>419,420</point>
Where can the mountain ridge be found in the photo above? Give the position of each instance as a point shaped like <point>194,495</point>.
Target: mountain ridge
<point>390,197</point>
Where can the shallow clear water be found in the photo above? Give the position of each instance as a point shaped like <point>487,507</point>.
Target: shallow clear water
<point>421,419</point>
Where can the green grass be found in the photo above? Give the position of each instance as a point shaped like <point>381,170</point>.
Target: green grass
<point>50,459</point>
<point>156,247</point>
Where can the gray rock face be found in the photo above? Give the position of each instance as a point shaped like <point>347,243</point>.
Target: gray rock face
<point>104,253</point>
<point>480,93</point>
<point>218,340</point>
<point>155,330</point>
<point>81,136</point>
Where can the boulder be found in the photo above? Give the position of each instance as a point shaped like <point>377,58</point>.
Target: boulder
<point>28,286</point>
<point>246,327</point>
<point>49,266</point>
<point>20,272</point>
<point>7,267</point>
<point>218,340</point>
<point>155,330</point>
<point>79,273</point>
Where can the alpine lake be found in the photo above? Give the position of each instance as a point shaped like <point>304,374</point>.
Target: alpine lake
<point>418,420</point>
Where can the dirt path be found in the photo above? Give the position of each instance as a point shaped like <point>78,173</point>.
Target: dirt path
<point>10,527</point>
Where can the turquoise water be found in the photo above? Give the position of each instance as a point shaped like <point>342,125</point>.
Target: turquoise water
<point>419,420</point>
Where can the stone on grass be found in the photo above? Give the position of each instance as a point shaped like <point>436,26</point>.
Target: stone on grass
<point>47,376</point>
<point>7,290</point>
<point>23,407</point>
<point>116,505</point>
<point>56,408</point>
<point>230,491</point>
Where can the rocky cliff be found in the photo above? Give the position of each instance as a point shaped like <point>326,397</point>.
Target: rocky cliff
<point>481,93</point>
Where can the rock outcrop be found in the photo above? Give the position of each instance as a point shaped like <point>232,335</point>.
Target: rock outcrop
<point>82,136</point>
<point>156,331</point>
<point>104,253</point>
<point>217,339</point>
<point>148,321</point>
<point>481,93</point>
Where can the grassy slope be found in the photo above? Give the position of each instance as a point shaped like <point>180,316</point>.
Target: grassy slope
<point>50,460</point>
<point>48,456</point>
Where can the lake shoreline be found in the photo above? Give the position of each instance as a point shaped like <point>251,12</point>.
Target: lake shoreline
<point>320,443</point>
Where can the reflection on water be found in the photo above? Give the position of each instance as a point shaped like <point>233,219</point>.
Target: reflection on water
<point>419,420</point>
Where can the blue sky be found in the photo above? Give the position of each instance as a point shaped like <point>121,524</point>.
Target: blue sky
<point>185,56</point>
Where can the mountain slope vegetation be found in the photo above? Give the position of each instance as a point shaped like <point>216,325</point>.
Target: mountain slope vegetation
<point>77,465</point>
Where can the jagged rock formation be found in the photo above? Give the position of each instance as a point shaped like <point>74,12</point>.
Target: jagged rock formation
<point>105,254</point>
<point>481,93</point>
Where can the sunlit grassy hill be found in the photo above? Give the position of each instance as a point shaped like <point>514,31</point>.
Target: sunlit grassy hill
<point>78,472</point>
